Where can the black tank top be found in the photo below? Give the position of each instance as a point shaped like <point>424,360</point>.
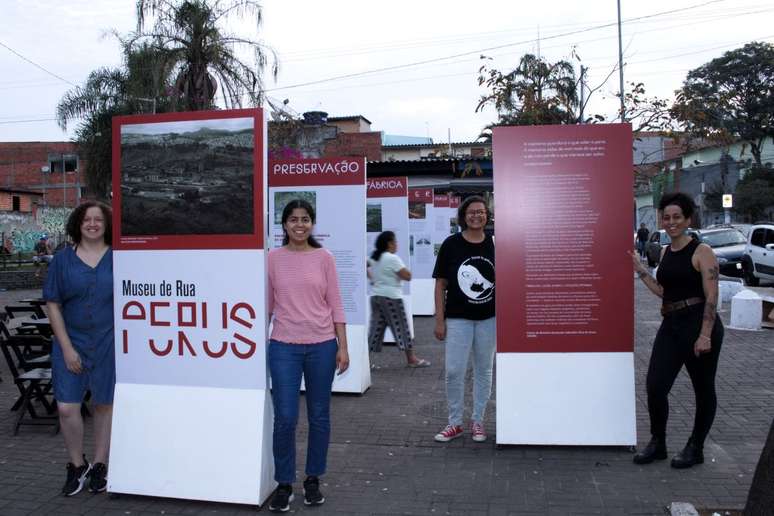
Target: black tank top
<point>677,275</point>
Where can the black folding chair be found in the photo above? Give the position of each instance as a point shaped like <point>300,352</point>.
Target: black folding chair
<point>34,311</point>
<point>34,383</point>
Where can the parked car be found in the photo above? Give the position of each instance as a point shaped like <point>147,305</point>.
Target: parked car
<point>656,241</point>
<point>728,243</point>
<point>758,259</point>
<point>744,228</point>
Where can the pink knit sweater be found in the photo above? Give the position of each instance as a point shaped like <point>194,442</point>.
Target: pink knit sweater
<point>304,295</point>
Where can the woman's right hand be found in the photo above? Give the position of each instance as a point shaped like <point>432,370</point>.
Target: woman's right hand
<point>639,268</point>
<point>440,329</point>
<point>72,360</point>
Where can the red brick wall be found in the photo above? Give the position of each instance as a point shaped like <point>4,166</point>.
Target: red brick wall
<point>20,164</point>
<point>355,144</point>
<point>25,201</point>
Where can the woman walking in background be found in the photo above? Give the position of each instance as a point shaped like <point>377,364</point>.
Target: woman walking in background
<point>465,315</point>
<point>79,295</point>
<point>386,271</point>
<point>690,333</point>
<point>308,340</point>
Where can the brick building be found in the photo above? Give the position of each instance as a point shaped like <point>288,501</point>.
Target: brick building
<point>51,168</point>
<point>21,201</point>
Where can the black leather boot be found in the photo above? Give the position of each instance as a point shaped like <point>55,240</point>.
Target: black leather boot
<point>655,450</point>
<point>691,455</point>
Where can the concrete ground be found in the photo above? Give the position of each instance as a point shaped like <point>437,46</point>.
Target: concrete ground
<point>383,460</point>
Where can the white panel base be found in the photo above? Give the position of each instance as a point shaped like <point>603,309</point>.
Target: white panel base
<point>423,296</point>
<point>357,379</point>
<point>173,442</point>
<point>566,399</point>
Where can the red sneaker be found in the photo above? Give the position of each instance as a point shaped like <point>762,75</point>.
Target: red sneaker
<point>449,433</point>
<point>477,431</point>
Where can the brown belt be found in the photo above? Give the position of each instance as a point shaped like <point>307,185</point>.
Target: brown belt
<point>679,305</point>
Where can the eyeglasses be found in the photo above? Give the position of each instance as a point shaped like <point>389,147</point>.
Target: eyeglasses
<point>476,212</point>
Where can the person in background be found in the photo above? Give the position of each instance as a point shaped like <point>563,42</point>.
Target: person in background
<point>43,253</point>
<point>386,271</point>
<point>642,239</point>
<point>690,334</point>
<point>465,315</point>
<point>79,299</point>
<point>309,340</point>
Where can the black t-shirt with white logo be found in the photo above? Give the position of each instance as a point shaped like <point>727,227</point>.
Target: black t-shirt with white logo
<point>469,270</point>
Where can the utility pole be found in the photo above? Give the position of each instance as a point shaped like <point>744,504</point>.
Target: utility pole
<point>581,118</point>
<point>620,65</point>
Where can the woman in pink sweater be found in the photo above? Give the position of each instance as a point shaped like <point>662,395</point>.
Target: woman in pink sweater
<point>308,340</point>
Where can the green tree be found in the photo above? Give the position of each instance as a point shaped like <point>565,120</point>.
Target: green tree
<point>106,93</point>
<point>731,97</point>
<point>536,92</point>
<point>201,54</point>
<point>754,193</point>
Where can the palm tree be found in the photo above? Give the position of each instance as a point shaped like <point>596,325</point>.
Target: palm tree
<point>108,92</point>
<point>201,55</point>
<point>535,92</point>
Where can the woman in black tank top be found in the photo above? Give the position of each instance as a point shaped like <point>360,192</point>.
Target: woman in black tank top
<point>690,334</point>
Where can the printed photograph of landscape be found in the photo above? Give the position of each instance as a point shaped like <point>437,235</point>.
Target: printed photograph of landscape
<point>187,178</point>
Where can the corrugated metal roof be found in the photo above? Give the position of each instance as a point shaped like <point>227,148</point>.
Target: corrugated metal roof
<point>396,139</point>
<point>440,144</point>
<point>350,117</point>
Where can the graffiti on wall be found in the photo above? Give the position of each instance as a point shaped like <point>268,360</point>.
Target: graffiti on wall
<point>21,231</point>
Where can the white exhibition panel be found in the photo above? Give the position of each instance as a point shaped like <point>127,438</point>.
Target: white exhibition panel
<point>566,399</point>
<point>340,211</point>
<point>423,296</point>
<point>394,217</point>
<point>180,338</point>
<point>191,376</point>
<point>421,229</point>
<point>175,442</point>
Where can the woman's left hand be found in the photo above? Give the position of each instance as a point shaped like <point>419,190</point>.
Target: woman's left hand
<point>702,345</point>
<point>342,360</point>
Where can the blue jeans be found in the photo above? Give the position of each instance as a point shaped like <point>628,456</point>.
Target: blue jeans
<point>287,364</point>
<point>462,336</point>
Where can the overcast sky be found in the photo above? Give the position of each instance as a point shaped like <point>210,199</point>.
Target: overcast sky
<point>318,40</point>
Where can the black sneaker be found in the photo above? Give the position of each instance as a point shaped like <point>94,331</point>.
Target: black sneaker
<point>97,480</point>
<point>283,495</point>
<point>76,477</point>
<point>312,494</point>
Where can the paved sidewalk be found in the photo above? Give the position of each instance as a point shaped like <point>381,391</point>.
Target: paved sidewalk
<point>383,459</point>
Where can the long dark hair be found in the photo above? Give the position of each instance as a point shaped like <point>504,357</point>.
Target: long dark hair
<point>75,221</point>
<point>304,205</point>
<point>382,241</point>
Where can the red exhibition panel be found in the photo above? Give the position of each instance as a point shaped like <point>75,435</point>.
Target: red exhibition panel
<point>317,172</point>
<point>421,195</point>
<point>387,187</point>
<point>441,200</point>
<point>191,180</point>
<point>564,279</point>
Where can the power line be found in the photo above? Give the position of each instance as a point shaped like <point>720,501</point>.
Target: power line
<point>479,51</point>
<point>36,65</point>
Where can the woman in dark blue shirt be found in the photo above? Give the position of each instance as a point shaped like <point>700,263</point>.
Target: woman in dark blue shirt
<point>79,295</point>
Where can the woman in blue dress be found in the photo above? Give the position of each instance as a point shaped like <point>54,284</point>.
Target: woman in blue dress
<point>79,295</point>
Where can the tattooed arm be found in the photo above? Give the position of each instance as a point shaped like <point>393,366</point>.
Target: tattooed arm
<point>704,260</point>
<point>644,274</point>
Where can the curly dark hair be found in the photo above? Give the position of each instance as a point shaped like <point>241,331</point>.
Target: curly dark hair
<point>75,221</point>
<point>679,199</point>
<point>464,207</point>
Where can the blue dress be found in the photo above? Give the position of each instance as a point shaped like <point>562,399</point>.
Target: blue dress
<point>85,294</point>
